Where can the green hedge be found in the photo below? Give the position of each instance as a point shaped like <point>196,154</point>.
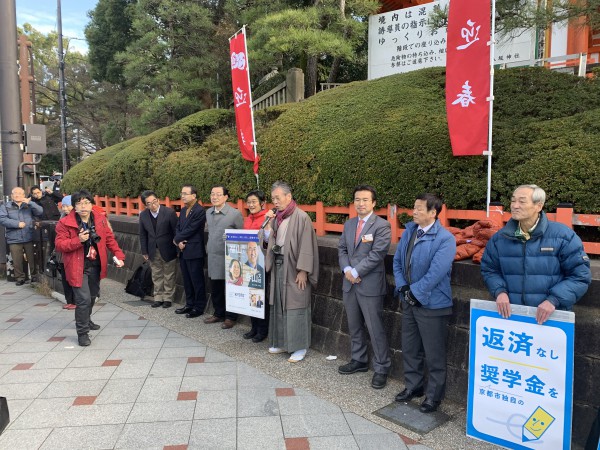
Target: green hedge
<point>390,133</point>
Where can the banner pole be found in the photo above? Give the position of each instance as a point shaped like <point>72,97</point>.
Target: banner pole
<point>251,109</point>
<point>492,44</point>
<point>236,33</point>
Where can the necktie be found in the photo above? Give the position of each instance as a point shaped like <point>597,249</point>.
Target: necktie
<point>361,224</point>
<point>420,233</point>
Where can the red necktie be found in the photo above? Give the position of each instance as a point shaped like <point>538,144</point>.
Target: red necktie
<point>361,224</point>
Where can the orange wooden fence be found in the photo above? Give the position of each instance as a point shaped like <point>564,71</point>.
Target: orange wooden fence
<point>126,206</point>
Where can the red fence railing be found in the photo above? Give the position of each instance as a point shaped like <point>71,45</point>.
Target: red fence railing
<point>126,206</point>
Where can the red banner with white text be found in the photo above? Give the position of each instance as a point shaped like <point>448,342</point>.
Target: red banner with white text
<point>468,75</point>
<point>242,97</point>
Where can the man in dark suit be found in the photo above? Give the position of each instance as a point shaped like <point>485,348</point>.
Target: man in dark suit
<point>157,230</point>
<point>189,237</point>
<point>361,251</point>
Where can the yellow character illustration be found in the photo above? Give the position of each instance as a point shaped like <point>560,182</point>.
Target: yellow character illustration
<point>537,424</point>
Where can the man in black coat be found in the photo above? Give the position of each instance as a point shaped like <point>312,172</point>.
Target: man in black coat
<point>157,230</point>
<point>47,203</point>
<point>189,237</point>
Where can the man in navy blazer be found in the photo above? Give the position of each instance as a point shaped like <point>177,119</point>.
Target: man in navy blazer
<point>189,237</point>
<point>157,230</point>
<point>363,246</point>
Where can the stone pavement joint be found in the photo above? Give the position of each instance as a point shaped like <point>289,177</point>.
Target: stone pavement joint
<point>154,380</point>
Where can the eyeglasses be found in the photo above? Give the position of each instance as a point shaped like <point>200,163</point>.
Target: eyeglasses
<point>185,193</point>
<point>83,203</point>
<point>252,202</point>
<point>216,195</point>
<point>153,202</point>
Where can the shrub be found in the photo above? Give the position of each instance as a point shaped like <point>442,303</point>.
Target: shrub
<point>390,133</point>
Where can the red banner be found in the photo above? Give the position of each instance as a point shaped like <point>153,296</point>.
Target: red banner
<point>242,97</point>
<point>468,75</point>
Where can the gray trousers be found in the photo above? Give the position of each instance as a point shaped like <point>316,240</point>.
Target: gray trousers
<point>85,297</point>
<point>163,277</point>
<point>367,310</point>
<point>288,329</point>
<point>424,336</point>
<point>16,252</point>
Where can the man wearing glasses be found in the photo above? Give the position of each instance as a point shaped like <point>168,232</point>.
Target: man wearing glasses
<point>83,236</point>
<point>220,217</point>
<point>189,238</point>
<point>157,231</point>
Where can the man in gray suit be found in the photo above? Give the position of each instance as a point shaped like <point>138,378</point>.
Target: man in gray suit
<point>219,218</point>
<point>157,230</point>
<point>361,251</point>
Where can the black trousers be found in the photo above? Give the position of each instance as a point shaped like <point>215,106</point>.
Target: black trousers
<point>67,289</point>
<point>192,271</point>
<point>217,296</point>
<point>85,297</point>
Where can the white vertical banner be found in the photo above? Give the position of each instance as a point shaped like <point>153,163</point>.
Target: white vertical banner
<point>244,273</point>
<point>520,377</point>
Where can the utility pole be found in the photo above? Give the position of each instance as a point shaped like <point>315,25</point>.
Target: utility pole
<point>10,110</point>
<point>62,94</point>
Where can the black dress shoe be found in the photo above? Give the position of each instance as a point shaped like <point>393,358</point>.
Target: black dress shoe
<point>379,380</point>
<point>94,326</point>
<point>194,313</point>
<point>166,304</point>
<point>84,340</point>
<point>156,304</point>
<point>258,338</point>
<point>407,394</point>
<point>429,406</point>
<point>184,310</point>
<point>250,334</point>
<point>353,367</point>
<point>20,283</point>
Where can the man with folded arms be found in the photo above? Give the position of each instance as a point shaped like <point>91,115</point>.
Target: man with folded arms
<point>362,249</point>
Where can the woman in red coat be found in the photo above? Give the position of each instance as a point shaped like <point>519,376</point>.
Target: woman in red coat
<point>83,237</point>
<point>255,202</point>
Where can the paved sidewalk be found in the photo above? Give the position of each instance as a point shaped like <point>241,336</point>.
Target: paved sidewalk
<point>176,383</point>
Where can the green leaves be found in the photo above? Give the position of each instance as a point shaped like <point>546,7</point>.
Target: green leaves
<point>390,133</point>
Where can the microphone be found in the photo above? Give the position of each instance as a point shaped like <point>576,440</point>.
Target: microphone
<point>267,220</point>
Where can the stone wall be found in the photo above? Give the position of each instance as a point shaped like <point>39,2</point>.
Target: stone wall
<point>330,327</point>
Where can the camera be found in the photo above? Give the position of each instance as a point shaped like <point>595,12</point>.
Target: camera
<point>94,238</point>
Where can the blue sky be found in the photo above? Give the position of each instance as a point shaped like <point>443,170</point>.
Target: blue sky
<point>41,14</point>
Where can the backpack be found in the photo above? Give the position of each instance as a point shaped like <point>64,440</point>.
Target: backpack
<point>140,284</point>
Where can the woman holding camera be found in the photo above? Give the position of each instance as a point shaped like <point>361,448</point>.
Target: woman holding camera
<point>83,237</point>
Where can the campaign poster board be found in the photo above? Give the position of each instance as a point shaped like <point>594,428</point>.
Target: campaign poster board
<point>244,273</point>
<point>401,41</point>
<point>520,377</point>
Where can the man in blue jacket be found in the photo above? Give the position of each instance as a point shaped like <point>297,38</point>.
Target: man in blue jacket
<point>533,261</point>
<point>17,217</point>
<point>422,267</point>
